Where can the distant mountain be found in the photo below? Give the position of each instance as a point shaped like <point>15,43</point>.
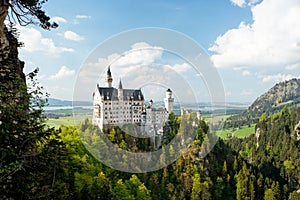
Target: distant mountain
<point>57,102</point>
<point>285,93</point>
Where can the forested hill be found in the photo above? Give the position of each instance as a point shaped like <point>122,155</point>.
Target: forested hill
<point>285,93</point>
<point>268,162</point>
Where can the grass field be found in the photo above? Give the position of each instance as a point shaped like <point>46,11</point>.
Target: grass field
<point>66,117</point>
<point>66,121</point>
<point>208,118</point>
<point>244,131</point>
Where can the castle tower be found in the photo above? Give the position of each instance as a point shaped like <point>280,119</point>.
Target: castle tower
<point>121,103</point>
<point>109,78</point>
<point>169,101</point>
<point>120,91</point>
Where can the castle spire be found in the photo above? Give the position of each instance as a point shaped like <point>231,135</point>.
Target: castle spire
<point>109,78</point>
<point>120,85</point>
<point>108,72</point>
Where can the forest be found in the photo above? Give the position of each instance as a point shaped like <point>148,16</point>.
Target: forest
<point>38,161</point>
<point>41,162</point>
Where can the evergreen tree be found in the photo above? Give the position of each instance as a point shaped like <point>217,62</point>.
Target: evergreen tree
<point>33,158</point>
<point>196,190</point>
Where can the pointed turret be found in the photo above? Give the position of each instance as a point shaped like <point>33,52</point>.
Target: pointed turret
<point>120,85</point>
<point>109,78</point>
<point>120,91</point>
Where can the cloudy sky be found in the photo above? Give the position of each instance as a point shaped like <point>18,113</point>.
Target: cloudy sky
<point>252,43</point>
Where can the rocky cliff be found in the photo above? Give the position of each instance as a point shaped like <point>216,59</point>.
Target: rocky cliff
<point>285,93</point>
<point>12,79</point>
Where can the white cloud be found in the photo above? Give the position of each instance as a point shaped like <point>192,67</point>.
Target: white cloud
<point>140,54</point>
<point>292,66</point>
<point>277,77</point>
<point>58,19</point>
<point>239,3</point>
<point>273,39</point>
<point>246,73</point>
<point>34,41</point>
<point>181,67</point>
<point>70,35</point>
<point>62,73</point>
<point>83,17</point>
<point>253,2</point>
<point>138,66</point>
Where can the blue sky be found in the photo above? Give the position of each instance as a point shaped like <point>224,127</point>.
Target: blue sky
<point>253,43</point>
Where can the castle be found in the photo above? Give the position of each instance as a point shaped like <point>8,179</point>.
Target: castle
<point>119,106</point>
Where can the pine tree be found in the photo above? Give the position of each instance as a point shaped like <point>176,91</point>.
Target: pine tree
<point>196,190</point>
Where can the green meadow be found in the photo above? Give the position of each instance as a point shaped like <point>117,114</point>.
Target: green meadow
<point>242,132</point>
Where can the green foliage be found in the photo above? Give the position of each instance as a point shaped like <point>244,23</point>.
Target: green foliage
<point>33,158</point>
<point>196,190</point>
<point>27,12</point>
<point>294,195</point>
<point>269,195</point>
<point>263,117</point>
<point>122,192</point>
<point>57,165</point>
<point>273,162</point>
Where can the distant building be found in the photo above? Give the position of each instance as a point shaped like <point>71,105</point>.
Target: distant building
<point>119,106</point>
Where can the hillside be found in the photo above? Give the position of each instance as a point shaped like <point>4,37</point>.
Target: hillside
<point>285,93</point>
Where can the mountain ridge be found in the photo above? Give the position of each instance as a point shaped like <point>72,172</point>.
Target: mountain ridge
<point>286,93</point>
<point>58,102</point>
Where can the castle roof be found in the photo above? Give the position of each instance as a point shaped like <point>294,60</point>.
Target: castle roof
<point>128,94</point>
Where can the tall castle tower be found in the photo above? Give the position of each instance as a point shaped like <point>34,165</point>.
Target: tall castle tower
<point>121,103</point>
<point>169,101</point>
<point>109,78</point>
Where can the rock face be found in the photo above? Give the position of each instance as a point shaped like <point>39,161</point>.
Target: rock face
<point>4,43</point>
<point>12,78</point>
<point>297,129</point>
<point>10,65</point>
<point>257,134</point>
<point>285,93</point>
